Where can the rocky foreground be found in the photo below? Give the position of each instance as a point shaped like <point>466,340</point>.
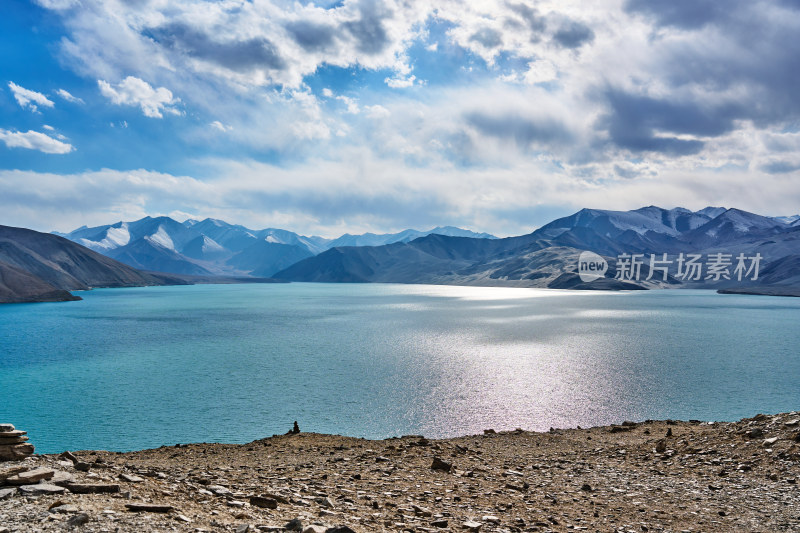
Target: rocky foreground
<point>650,476</point>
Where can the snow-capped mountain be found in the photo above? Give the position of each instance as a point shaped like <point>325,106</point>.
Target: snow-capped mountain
<point>213,246</point>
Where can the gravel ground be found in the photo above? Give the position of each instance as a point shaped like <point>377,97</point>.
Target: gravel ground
<point>632,477</point>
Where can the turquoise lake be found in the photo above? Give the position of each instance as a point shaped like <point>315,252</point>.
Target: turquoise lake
<point>139,368</point>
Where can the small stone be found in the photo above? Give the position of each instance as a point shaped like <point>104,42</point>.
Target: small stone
<point>439,523</point>
<point>491,519</point>
<point>131,478</point>
<point>661,446</point>
<point>64,508</point>
<point>219,490</point>
<point>489,432</point>
<point>41,488</point>
<point>264,502</point>
<point>243,528</point>
<point>78,520</point>
<point>183,518</point>
<point>82,467</point>
<point>5,428</point>
<point>294,525</point>
<point>770,441</point>
<point>755,433</point>
<point>439,464</point>
<point>472,525</point>
<point>62,478</point>
<point>381,459</point>
<point>68,456</point>
<point>586,487</point>
<point>339,529</point>
<point>669,432</point>
<point>148,508</point>
<point>7,493</point>
<point>314,528</point>
<point>324,502</point>
<point>792,422</point>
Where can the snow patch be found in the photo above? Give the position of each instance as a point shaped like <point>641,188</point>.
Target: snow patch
<point>114,238</point>
<point>161,238</point>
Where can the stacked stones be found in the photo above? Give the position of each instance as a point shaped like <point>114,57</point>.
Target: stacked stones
<point>13,444</point>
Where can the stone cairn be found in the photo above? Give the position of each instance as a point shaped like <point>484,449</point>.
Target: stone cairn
<point>14,445</point>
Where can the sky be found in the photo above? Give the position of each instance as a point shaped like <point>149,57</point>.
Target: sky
<point>381,115</point>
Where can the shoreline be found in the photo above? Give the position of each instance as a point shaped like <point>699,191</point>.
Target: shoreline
<point>647,476</point>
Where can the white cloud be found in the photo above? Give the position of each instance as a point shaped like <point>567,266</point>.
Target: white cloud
<point>217,125</point>
<point>63,93</point>
<point>400,82</point>
<point>135,92</point>
<point>29,99</point>
<point>34,140</point>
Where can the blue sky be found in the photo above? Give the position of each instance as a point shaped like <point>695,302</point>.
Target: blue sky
<point>382,115</point>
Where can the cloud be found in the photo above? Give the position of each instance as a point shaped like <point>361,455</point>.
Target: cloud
<point>135,92</point>
<point>217,125</point>
<point>34,140</point>
<point>29,99</point>
<point>68,97</point>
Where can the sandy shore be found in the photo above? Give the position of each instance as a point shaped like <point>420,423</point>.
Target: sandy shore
<point>738,476</point>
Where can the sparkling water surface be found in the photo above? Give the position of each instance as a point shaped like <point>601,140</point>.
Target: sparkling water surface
<point>143,367</point>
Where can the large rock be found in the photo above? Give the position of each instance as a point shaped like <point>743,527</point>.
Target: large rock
<point>41,488</point>
<point>30,476</point>
<point>15,452</point>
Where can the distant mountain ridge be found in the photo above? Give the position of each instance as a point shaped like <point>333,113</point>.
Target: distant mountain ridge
<point>215,247</point>
<point>548,257</point>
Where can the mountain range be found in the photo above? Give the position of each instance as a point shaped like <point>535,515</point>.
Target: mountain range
<point>548,257</point>
<point>156,251</point>
<point>215,247</point>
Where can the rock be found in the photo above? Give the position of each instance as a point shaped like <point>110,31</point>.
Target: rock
<point>11,440</point>
<point>92,488</point>
<point>294,525</point>
<point>41,488</point>
<point>669,432</point>
<point>183,518</point>
<point>314,528</point>
<point>770,441</point>
<point>219,490</point>
<point>5,428</point>
<point>491,519</point>
<point>78,520</point>
<point>324,502</point>
<point>30,476</point>
<point>62,478</point>
<point>264,502</point>
<point>243,528</point>
<point>439,464</point>
<point>15,452</point>
<point>489,432</point>
<point>148,508</point>
<point>661,446</point>
<point>755,433</point>
<point>792,422</point>
<point>131,479</point>
<point>68,456</point>
<point>339,529</point>
<point>82,467</point>
<point>64,508</point>
<point>586,487</point>
<point>472,525</point>
<point>439,523</point>
<point>12,433</point>
<point>10,471</point>
<point>7,493</point>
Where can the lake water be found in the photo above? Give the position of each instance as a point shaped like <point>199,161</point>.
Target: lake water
<point>143,367</point>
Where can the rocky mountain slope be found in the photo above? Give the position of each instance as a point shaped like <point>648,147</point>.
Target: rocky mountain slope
<point>43,267</point>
